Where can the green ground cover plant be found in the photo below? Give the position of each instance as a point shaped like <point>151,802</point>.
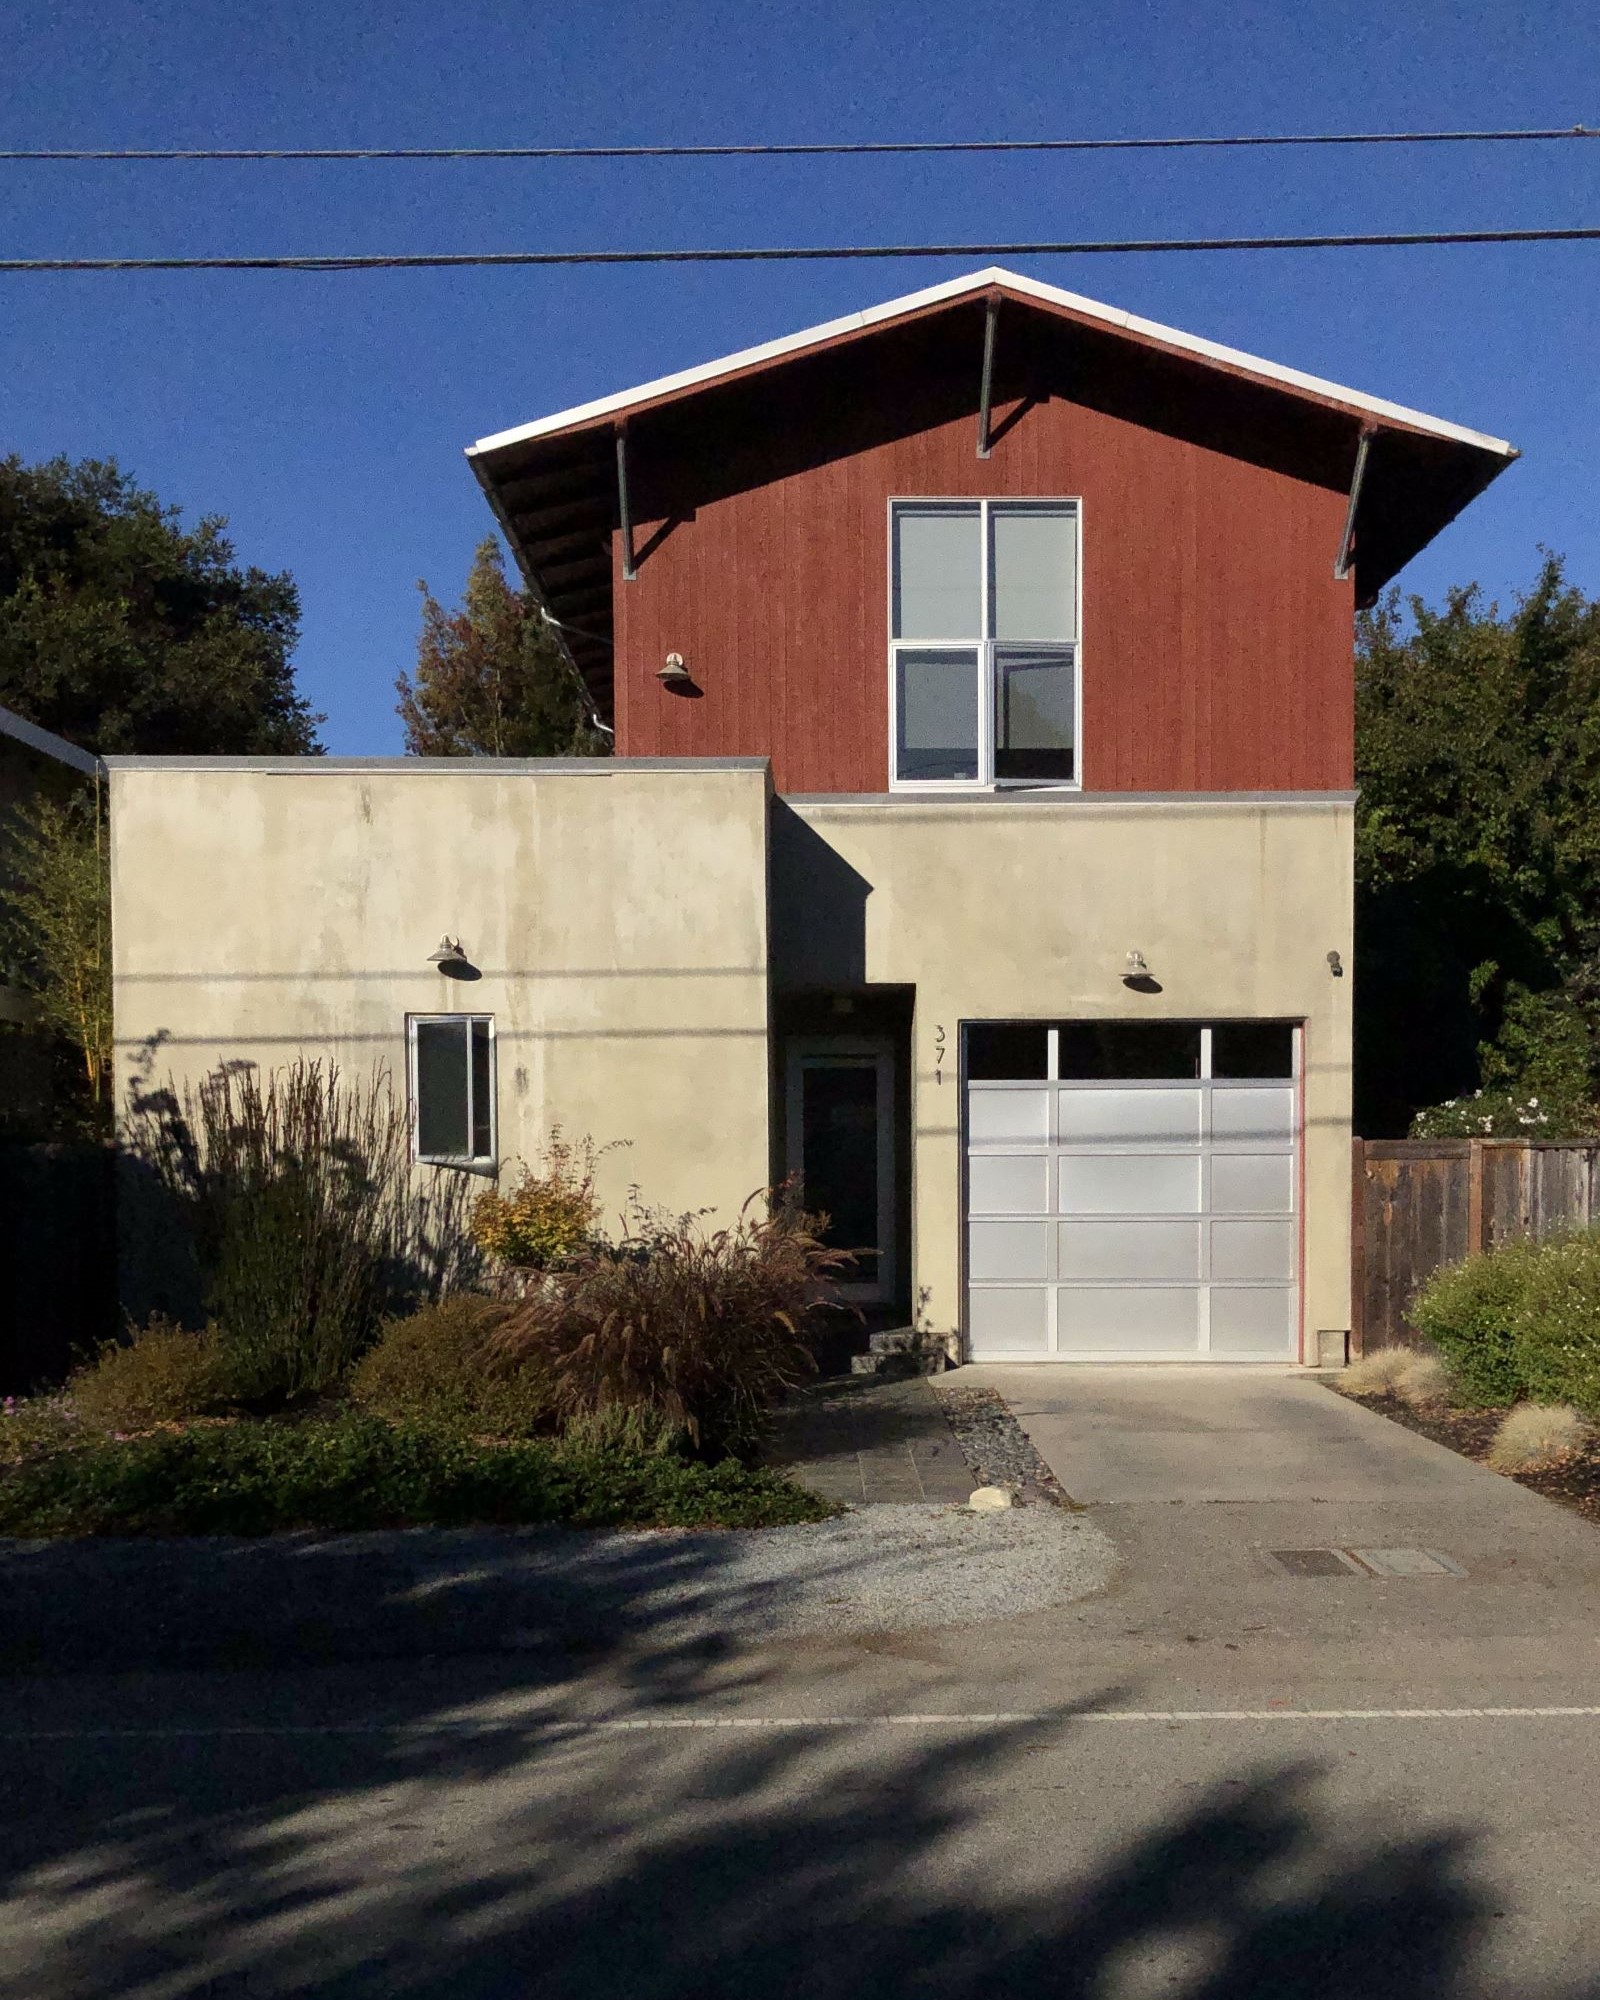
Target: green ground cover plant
<point>351,1471</point>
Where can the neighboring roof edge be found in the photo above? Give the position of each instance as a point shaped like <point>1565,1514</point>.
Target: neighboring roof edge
<point>47,743</point>
<point>457,767</point>
<point>979,281</point>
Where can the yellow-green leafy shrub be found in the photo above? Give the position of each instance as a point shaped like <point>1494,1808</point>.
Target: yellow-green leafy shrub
<point>550,1213</point>
<point>432,1368</point>
<point>1470,1313</point>
<point>1558,1324</point>
<point>165,1374</point>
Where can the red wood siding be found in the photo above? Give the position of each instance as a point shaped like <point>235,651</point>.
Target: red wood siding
<point>1217,646</point>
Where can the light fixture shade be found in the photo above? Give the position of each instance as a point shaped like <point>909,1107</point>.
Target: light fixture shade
<point>674,670</point>
<point>449,952</point>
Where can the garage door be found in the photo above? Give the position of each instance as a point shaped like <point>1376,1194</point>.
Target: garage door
<point>1132,1191</point>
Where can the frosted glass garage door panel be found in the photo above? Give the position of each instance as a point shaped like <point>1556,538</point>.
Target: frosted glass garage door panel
<point>1130,1250</point>
<point>1128,1184</point>
<point>1007,1117</point>
<point>1252,1325</point>
<point>1252,1183</point>
<point>1129,1117</point>
<point>1008,1184</point>
<point>1265,1117</point>
<point>1008,1322</point>
<point>1252,1252</point>
<point>1127,1320</point>
<point>1000,1253</point>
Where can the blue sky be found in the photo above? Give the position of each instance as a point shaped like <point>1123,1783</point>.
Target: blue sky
<point>325,416</point>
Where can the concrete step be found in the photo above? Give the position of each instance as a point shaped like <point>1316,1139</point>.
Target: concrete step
<point>902,1351</point>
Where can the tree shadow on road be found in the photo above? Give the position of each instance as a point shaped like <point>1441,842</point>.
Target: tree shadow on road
<point>490,1853</point>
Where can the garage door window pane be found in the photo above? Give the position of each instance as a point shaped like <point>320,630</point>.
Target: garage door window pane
<point>1008,1052</point>
<point>1009,1321</point>
<point>1252,1048</point>
<point>1008,1117</point>
<point>1008,1184</point>
<point>1128,1184</point>
<point>1128,1050</point>
<point>937,702</point>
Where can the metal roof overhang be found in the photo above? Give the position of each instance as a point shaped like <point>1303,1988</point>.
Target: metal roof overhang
<point>553,483</point>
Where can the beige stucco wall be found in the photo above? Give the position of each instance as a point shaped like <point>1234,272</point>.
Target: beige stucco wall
<point>994,909</point>
<point>616,912</point>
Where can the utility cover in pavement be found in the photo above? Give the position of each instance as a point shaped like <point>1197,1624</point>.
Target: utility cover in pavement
<point>1407,1562</point>
<point>1315,1562</point>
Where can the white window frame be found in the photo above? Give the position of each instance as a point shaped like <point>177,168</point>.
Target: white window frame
<point>414,1101</point>
<point>985,781</point>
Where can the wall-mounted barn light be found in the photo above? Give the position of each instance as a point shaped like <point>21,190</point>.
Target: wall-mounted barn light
<point>674,673</point>
<point>1137,976</point>
<point>450,958</point>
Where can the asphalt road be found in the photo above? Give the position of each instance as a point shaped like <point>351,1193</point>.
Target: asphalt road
<point>1215,1780</point>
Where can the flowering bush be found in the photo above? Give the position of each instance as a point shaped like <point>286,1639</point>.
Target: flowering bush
<point>1486,1114</point>
<point>551,1212</point>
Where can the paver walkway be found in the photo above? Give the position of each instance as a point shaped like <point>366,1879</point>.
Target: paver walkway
<point>869,1442</point>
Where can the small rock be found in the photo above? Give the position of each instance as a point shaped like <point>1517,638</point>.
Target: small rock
<point>983,1499</point>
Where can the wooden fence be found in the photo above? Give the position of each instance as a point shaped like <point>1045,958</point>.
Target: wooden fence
<point>1422,1203</point>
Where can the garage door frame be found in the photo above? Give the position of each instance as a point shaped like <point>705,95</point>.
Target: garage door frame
<point>1215,1139</point>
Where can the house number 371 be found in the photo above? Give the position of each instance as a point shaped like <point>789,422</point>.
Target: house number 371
<point>938,1055</point>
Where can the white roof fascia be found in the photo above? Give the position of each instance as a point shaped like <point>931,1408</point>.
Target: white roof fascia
<point>976,281</point>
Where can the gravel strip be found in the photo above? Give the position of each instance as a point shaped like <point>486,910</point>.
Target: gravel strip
<point>995,1445</point>
<point>405,1593</point>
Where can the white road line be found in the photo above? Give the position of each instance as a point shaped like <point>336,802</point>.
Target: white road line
<point>624,1725</point>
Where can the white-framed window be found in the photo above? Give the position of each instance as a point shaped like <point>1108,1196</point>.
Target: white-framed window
<point>450,1062</point>
<point>984,669</point>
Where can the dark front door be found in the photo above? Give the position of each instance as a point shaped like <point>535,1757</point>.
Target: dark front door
<point>841,1151</point>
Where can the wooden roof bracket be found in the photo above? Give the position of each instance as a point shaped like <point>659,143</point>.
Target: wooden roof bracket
<point>1347,541</point>
<point>991,319</point>
<point>630,566</point>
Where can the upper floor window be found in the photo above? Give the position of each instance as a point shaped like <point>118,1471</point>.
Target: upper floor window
<point>984,642</point>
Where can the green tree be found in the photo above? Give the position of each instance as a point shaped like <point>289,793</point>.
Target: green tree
<point>125,631</point>
<point>491,680</point>
<point>55,928</point>
<point>1478,854</point>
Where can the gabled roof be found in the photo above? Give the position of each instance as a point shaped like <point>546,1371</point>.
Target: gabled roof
<point>47,743</point>
<point>552,482</point>
<point>994,278</point>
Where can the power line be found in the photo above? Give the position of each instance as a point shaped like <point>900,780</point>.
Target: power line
<point>833,148</point>
<point>825,253</point>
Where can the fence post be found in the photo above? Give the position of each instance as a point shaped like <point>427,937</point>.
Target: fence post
<point>1475,1233</point>
<point>1358,1248</point>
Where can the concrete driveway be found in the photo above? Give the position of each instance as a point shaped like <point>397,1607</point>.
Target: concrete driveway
<point>1221,1488</point>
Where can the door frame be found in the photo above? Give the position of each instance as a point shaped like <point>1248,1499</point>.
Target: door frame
<point>875,1052</point>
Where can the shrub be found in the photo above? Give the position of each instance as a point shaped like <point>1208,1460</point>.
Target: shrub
<point>296,1192</point>
<point>701,1329</point>
<point>549,1215</point>
<point>1470,1313</point>
<point>36,1426</point>
<point>163,1375</point>
<point>430,1369</point>
<point>1558,1324</point>
<point>353,1472</point>
<point>1377,1373</point>
<point>1534,1435</point>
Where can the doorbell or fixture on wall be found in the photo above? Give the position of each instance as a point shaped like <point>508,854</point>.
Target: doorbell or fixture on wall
<point>674,673</point>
